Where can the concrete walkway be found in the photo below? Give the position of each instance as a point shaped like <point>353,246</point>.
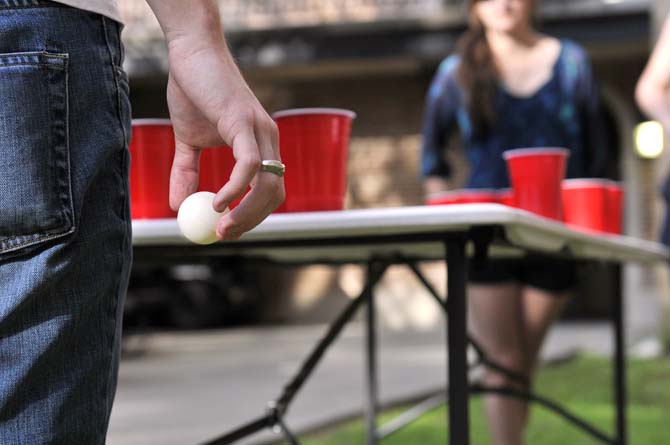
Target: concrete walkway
<point>185,388</point>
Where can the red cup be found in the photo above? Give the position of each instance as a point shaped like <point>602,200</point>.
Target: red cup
<point>152,152</point>
<point>314,145</point>
<point>585,203</point>
<point>536,175</point>
<point>615,201</point>
<point>216,165</point>
<point>506,197</point>
<point>463,196</point>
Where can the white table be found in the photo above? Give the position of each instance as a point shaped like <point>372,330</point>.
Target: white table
<point>380,237</point>
<point>286,237</point>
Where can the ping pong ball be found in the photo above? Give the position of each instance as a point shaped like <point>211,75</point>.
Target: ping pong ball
<point>197,219</point>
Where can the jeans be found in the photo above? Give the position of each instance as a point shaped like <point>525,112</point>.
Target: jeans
<point>65,241</point>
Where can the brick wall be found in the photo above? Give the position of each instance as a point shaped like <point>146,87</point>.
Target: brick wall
<point>383,168</point>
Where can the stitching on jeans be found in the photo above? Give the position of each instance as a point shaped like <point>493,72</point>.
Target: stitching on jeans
<point>40,64</point>
<point>115,301</point>
<point>116,79</point>
<point>57,61</point>
<point>34,54</point>
<point>67,224</point>
<point>22,3</point>
<point>31,239</point>
<point>16,8</point>
<point>28,4</point>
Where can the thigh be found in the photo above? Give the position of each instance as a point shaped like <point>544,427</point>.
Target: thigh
<point>548,283</point>
<point>65,227</point>
<point>496,316</point>
<point>540,310</point>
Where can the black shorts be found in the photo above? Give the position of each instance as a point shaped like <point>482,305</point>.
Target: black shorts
<point>542,272</point>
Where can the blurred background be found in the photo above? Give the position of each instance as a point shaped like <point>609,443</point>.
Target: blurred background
<point>377,57</point>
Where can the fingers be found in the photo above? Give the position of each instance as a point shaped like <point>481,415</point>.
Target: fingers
<point>267,191</point>
<point>247,163</point>
<point>184,173</point>
<point>253,209</point>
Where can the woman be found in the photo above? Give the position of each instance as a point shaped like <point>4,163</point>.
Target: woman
<point>510,87</point>
<point>652,94</point>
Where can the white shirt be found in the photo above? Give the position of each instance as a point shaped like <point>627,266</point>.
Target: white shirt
<point>108,8</point>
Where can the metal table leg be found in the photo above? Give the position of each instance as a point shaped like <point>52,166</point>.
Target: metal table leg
<point>458,391</point>
<point>372,404</point>
<point>279,407</point>
<point>620,369</point>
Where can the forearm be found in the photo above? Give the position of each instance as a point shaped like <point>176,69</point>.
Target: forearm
<point>195,21</point>
<point>199,55</point>
<point>654,101</point>
<point>652,92</point>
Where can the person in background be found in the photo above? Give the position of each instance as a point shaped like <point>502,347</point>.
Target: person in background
<point>652,94</point>
<point>508,86</point>
<point>65,228</point>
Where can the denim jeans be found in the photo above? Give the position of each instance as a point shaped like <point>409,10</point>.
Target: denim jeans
<point>65,247</point>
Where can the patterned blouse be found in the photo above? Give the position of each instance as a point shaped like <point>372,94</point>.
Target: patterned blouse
<point>564,112</point>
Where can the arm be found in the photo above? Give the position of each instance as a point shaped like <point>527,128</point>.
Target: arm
<point>652,92</point>
<point>438,122</point>
<point>210,104</point>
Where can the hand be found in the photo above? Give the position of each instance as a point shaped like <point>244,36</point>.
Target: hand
<point>210,104</point>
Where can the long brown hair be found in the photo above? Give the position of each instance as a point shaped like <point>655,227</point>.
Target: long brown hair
<point>477,74</point>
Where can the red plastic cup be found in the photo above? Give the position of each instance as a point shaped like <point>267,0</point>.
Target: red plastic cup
<point>314,145</point>
<point>615,201</point>
<point>585,203</point>
<point>536,175</point>
<point>463,196</point>
<point>216,165</point>
<point>152,152</point>
<point>506,197</point>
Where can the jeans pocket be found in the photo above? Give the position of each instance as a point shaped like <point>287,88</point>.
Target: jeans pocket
<point>35,187</point>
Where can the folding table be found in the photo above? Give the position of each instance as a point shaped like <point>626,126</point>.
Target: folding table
<point>407,235</point>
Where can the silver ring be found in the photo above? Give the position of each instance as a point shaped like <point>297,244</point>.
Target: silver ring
<point>273,166</point>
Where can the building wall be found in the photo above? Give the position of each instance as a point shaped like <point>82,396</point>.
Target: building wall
<point>384,153</point>
<point>384,163</point>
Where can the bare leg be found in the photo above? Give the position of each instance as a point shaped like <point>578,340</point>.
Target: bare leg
<point>540,310</point>
<point>497,321</point>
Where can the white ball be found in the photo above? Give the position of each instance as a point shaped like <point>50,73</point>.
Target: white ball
<point>197,219</point>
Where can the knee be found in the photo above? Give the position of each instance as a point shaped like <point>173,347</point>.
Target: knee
<point>514,362</point>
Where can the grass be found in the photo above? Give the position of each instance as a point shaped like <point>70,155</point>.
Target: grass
<point>583,385</point>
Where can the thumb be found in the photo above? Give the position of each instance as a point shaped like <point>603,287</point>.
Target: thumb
<point>184,173</point>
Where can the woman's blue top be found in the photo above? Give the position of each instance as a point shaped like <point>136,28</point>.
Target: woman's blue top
<point>564,112</point>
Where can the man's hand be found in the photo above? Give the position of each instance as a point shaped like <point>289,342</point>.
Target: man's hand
<point>210,104</point>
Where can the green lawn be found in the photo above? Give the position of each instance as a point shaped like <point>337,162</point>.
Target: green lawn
<point>582,384</point>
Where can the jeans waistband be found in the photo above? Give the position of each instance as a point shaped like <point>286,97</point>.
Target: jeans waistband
<point>15,4</point>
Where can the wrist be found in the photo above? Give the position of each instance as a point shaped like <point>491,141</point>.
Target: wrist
<point>197,20</point>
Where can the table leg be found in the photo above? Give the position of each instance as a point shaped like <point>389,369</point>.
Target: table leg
<point>371,406</point>
<point>290,390</point>
<point>620,369</point>
<point>458,390</point>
